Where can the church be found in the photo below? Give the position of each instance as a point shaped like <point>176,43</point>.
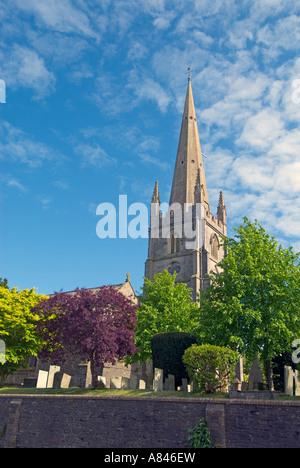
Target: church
<point>171,250</point>
<point>173,253</point>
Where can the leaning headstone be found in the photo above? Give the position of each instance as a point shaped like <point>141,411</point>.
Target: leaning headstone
<point>256,379</point>
<point>158,380</point>
<point>42,379</point>
<point>288,381</point>
<point>65,381</point>
<point>52,371</point>
<point>171,380</point>
<point>142,384</point>
<point>116,382</point>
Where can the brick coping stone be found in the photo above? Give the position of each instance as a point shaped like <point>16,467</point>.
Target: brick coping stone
<point>220,401</point>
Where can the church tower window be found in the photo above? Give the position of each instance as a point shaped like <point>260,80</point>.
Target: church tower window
<point>214,246</point>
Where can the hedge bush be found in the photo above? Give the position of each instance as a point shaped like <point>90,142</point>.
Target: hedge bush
<point>210,367</point>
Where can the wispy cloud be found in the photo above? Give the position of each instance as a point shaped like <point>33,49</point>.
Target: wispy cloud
<point>94,156</point>
<point>17,146</point>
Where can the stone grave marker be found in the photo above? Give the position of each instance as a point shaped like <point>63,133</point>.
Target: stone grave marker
<point>297,383</point>
<point>171,380</point>
<point>158,380</point>
<point>52,371</point>
<point>133,382</point>
<point>42,379</point>
<point>256,380</point>
<point>142,384</point>
<point>125,382</point>
<point>184,385</point>
<point>288,381</point>
<point>65,381</point>
<point>102,380</point>
<point>116,382</point>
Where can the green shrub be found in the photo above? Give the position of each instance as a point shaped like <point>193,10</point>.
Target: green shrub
<point>199,436</point>
<point>210,367</point>
<point>167,351</point>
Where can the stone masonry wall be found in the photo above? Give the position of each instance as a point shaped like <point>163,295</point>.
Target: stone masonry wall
<point>42,421</point>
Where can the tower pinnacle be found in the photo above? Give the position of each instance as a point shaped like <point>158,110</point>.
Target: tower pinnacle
<point>189,162</point>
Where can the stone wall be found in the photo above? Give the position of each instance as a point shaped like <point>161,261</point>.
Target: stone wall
<point>117,422</point>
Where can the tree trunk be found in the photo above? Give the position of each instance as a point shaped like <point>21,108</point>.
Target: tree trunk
<point>95,382</point>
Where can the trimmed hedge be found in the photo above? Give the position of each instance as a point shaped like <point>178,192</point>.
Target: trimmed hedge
<point>167,351</point>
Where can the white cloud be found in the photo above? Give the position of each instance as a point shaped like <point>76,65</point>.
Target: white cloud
<point>94,156</point>
<point>148,89</point>
<point>59,15</point>
<point>17,146</point>
<point>24,68</point>
<point>262,129</point>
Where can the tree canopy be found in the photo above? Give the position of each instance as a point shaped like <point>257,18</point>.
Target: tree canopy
<point>18,328</point>
<point>253,304</point>
<point>166,306</point>
<point>96,326</point>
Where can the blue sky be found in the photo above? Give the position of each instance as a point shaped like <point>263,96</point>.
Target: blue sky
<point>94,99</point>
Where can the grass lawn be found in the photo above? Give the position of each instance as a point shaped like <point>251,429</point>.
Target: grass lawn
<point>104,392</point>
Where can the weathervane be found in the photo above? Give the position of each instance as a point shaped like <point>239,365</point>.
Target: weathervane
<point>189,72</point>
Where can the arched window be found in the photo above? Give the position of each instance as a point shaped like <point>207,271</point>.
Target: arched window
<point>174,243</point>
<point>214,246</point>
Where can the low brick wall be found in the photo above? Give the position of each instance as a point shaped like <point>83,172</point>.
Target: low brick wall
<point>116,422</point>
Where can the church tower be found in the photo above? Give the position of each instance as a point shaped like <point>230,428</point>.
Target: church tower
<point>186,239</point>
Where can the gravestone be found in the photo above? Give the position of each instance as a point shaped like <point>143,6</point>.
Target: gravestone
<point>288,381</point>
<point>297,383</point>
<point>184,385</point>
<point>102,380</point>
<point>256,380</point>
<point>133,382</point>
<point>125,382</point>
<point>29,383</point>
<point>61,380</point>
<point>142,384</point>
<point>52,371</point>
<point>65,381</point>
<point>158,380</point>
<point>42,379</point>
<point>116,382</point>
<point>171,380</point>
<point>166,384</point>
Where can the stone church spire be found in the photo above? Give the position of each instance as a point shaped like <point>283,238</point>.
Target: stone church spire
<point>189,163</point>
<point>174,249</point>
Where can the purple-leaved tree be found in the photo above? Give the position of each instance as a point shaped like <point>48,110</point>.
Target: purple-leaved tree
<point>96,326</point>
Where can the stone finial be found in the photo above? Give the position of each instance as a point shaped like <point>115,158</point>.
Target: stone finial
<point>221,212</point>
<point>155,196</point>
<point>128,278</point>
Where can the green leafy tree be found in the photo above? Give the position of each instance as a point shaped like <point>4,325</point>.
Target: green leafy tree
<point>253,305</point>
<point>4,283</point>
<point>165,306</point>
<point>211,368</point>
<point>18,328</point>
